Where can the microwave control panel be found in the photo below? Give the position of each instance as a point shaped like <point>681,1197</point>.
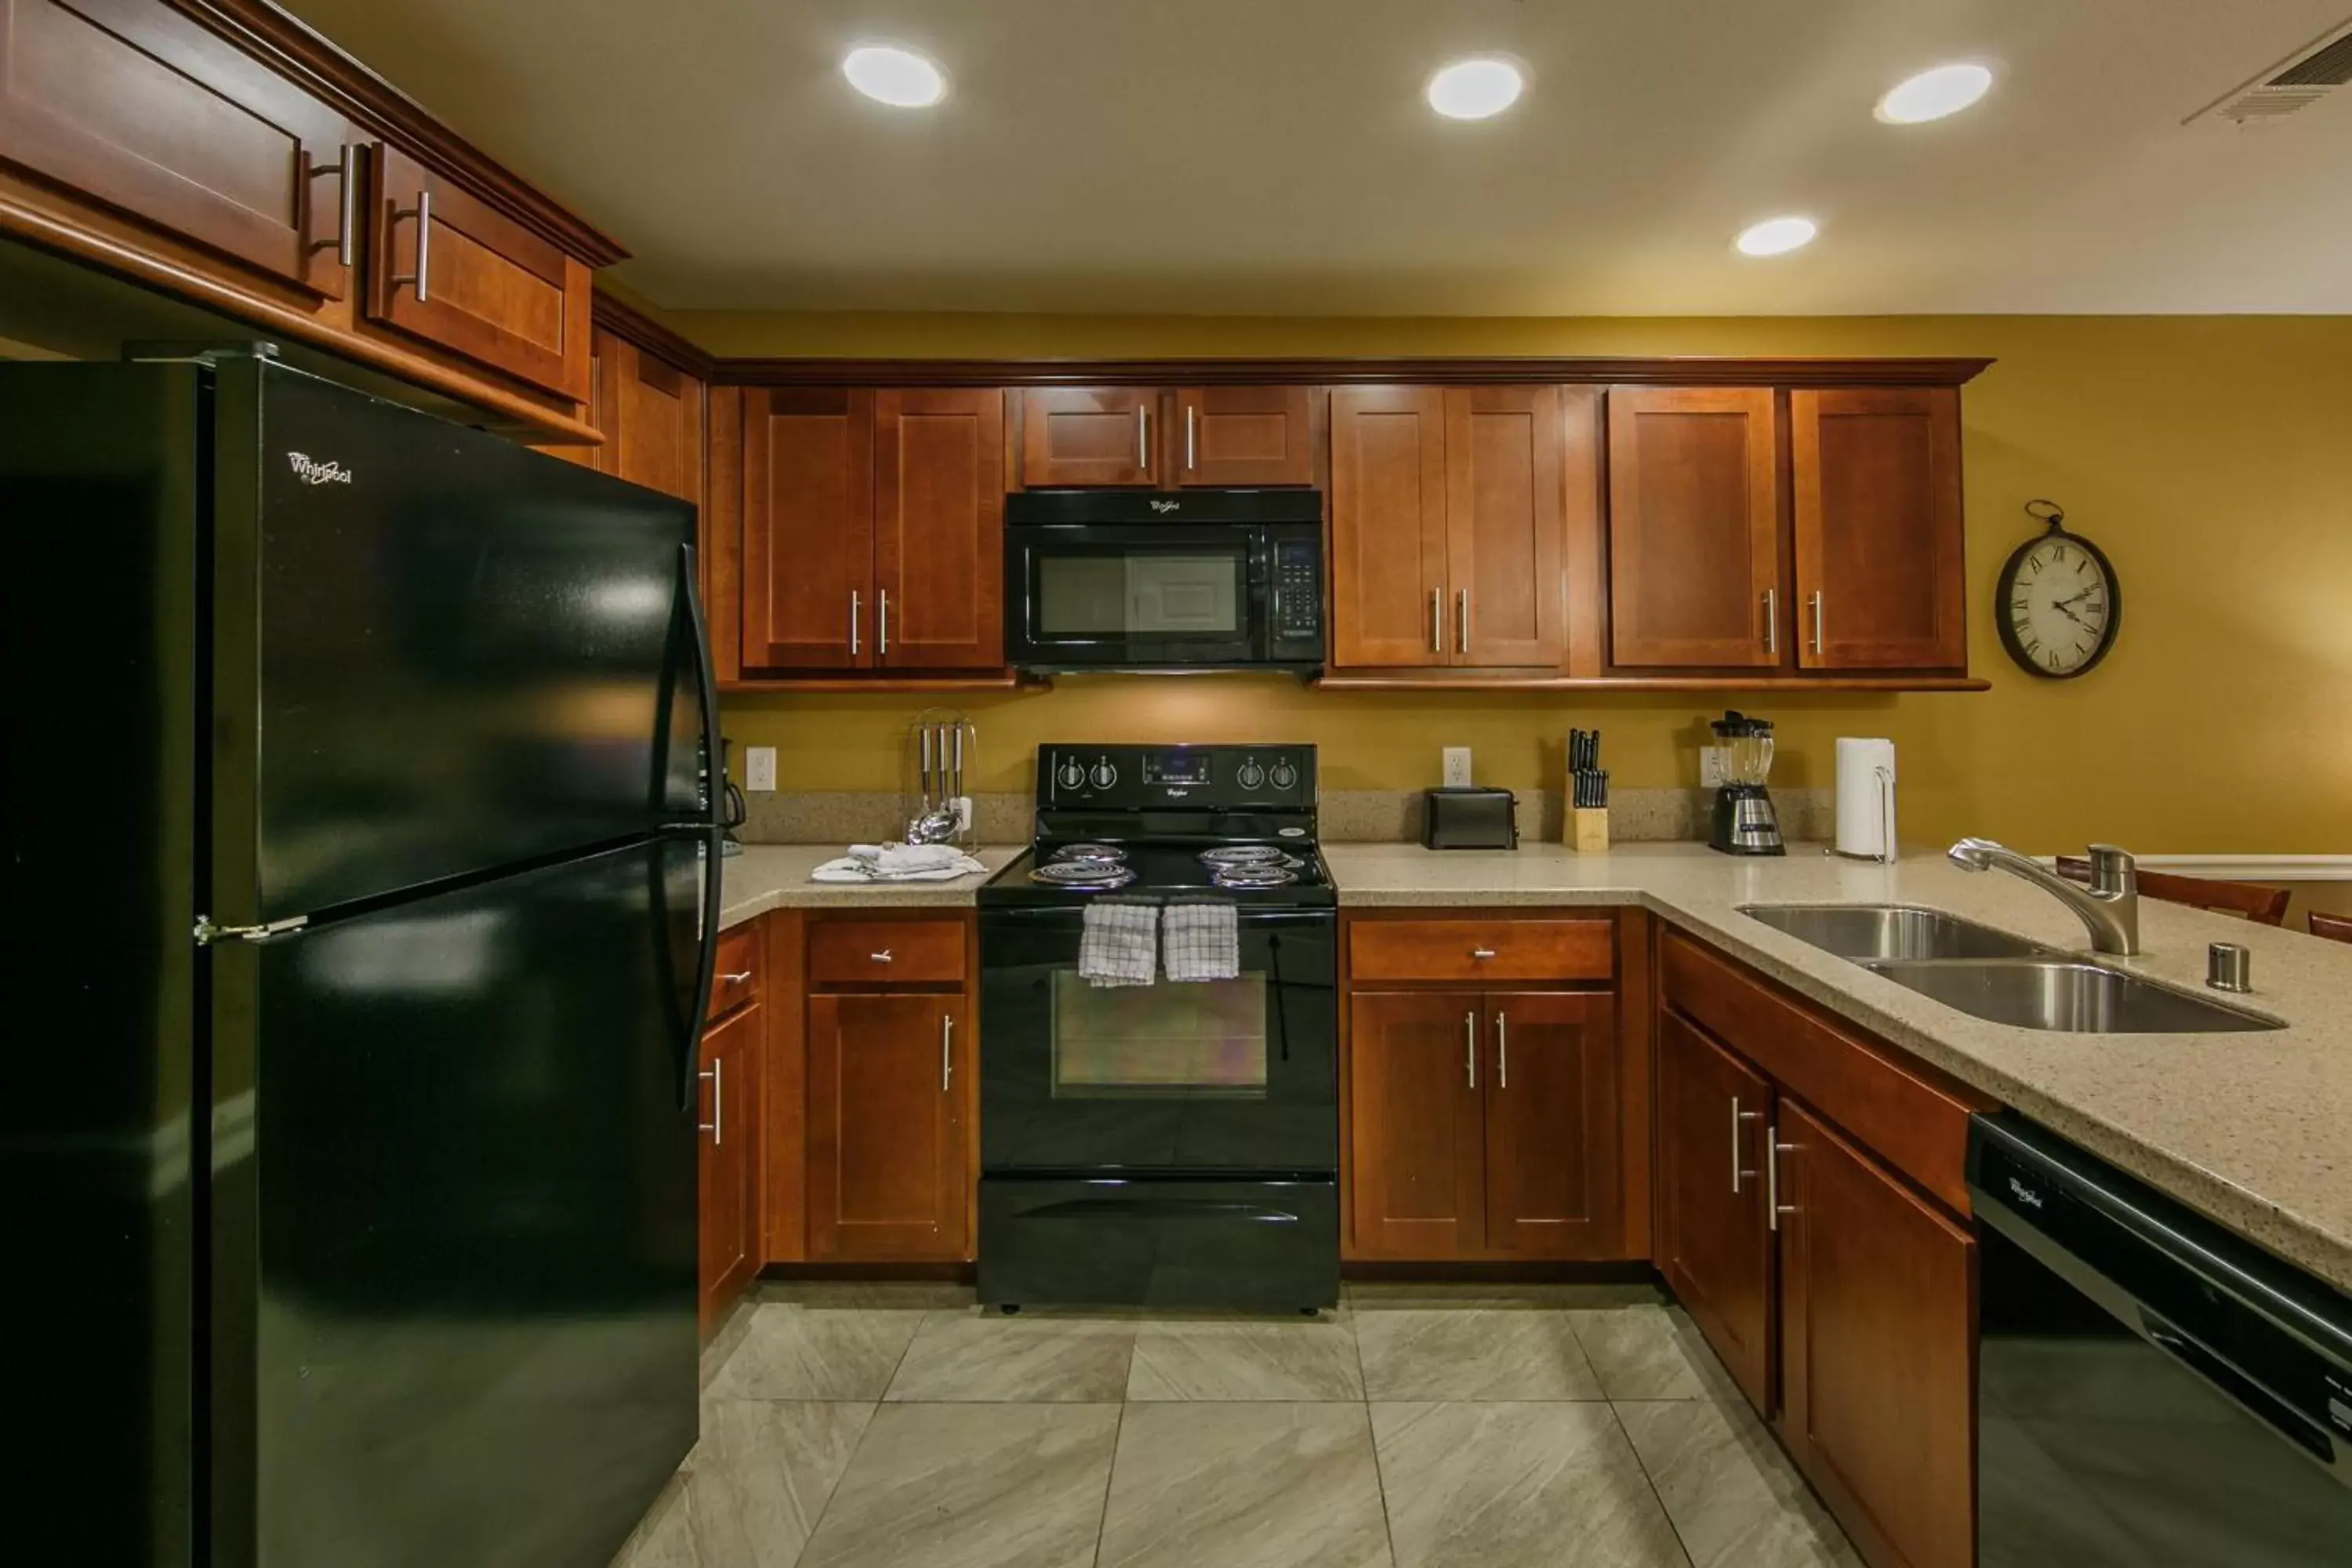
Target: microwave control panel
<point>1297,611</point>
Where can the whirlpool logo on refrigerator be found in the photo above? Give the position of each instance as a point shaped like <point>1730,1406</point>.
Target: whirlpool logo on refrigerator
<point>311,471</point>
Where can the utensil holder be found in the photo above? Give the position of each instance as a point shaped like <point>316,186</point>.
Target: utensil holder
<point>1587,830</point>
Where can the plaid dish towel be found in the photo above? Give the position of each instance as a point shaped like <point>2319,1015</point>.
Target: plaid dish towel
<point>1203,942</point>
<point>1119,943</point>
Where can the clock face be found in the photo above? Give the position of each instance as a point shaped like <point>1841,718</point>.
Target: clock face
<point>2059,608</point>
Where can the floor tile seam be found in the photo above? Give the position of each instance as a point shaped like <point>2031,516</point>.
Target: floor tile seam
<point>1380,1476</point>
<point>1110,1472</point>
<point>900,1365</point>
<point>872,1414</point>
<point>1648,1479</point>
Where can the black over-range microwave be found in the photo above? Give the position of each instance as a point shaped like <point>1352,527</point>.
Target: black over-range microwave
<point>1164,580</point>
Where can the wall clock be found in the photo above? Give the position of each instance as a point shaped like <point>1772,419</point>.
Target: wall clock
<point>2059,605</point>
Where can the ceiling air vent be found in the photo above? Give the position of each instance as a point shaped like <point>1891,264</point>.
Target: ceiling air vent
<point>2301,80</point>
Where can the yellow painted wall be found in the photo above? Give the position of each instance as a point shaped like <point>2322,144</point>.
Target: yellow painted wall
<point>2211,457</point>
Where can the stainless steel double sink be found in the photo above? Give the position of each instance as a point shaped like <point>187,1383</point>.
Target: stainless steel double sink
<point>2003,979</point>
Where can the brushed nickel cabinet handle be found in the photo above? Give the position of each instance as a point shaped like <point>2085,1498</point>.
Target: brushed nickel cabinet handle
<point>1192,453</point>
<point>1437,622</point>
<point>881,957</point>
<point>1502,1056</point>
<point>1738,1116</point>
<point>345,245</point>
<point>1462,621</point>
<point>853,622</point>
<point>1143,437</point>
<point>1820,636</point>
<point>1470,1047</point>
<point>737,978</point>
<point>883,620</point>
<point>716,1125</point>
<point>1772,622</point>
<point>1773,1149</point>
<point>1482,953</point>
<point>422,278</point>
<point>947,1049</point>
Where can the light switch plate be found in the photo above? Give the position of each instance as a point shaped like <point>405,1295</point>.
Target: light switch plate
<point>759,769</point>
<point>1712,764</point>
<point>1457,767</point>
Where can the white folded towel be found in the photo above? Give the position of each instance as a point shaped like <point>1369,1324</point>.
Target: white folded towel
<point>1119,945</point>
<point>1203,942</point>
<point>898,863</point>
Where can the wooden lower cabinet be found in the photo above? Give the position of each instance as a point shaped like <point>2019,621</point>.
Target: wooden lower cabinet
<point>1482,1125</point>
<point>888,1084</point>
<point>1877,1335</point>
<point>728,1122</point>
<point>1713,1242</point>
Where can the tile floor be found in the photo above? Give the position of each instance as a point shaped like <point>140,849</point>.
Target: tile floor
<point>1415,1427</point>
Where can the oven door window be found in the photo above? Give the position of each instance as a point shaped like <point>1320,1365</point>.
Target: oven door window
<point>1160,1042</point>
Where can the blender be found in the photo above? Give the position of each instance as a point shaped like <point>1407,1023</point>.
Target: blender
<point>1745,822</point>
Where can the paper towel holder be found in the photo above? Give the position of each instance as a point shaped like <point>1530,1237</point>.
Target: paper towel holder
<point>1887,854</point>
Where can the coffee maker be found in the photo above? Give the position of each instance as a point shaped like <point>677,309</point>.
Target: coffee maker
<point>1745,822</point>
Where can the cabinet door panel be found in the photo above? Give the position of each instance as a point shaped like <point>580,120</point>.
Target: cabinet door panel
<point>1388,526</point>
<point>1552,1188</point>
<point>1244,435</point>
<point>1713,1244</point>
<point>1877,1329</point>
<point>886,1135</point>
<point>1878,528</point>
<point>1089,436</point>
<point>730,1124</point>
<point>651,415</point>
<point>1694,527</point>
<point>474,280</point>
<point>938,544</point>
<point>808,530</point>
<point>1503,449</point>
<point>1415,1140</point>
<point>126,102</point>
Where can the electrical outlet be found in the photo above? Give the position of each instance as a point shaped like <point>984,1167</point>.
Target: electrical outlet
<point>1457,767</point>
<point>1713,762</point>
<point>759,769</point>
<point>962,806</point>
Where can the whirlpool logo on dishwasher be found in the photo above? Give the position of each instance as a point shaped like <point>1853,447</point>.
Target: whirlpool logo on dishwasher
<point>311,471</point>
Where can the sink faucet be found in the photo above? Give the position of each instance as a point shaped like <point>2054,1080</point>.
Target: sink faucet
<point>2109,906</point>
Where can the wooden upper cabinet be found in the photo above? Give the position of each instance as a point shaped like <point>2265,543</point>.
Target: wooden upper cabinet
<point>939,529</point>
<point>1551,1154</point>
<point>1712,1243</point>
<point>651,412</point>
<point>1415,1135</point>
<point>1503,538</point>
<point>887,1080</point>
<point>1244,435</point>
<point>1694,529</point>
<point>135,105</point>
<point>1090,436</point>
<point>1388,527</point>
<point>808,529</point>
<point>1877,1350</point>
<point>729,1173</point>
<point>1876,475</point>
<point>450,269</point>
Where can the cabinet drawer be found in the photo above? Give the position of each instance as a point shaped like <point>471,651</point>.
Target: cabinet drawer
<point>1481,950</point>
<point>887,952</point>
<point>735,976</point>
<point>1909,1115</point>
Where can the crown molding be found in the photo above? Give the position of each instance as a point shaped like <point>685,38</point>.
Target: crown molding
<point>1692,369</point>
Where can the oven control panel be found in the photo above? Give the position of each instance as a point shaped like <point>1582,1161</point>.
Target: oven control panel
<point>1201,778</point>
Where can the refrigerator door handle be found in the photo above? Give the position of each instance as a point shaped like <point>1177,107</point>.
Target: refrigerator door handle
<point>710,832</point>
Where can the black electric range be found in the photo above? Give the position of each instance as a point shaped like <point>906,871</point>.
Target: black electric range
<point>1171,1144</point>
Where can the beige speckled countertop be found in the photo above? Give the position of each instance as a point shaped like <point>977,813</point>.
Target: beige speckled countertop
<point>2255,1128</point>
<point>776,876</point>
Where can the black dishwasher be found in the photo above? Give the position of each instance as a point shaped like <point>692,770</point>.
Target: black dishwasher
<point>2153,1391</point>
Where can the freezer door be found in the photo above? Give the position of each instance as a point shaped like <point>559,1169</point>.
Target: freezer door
<point>437,653</point>
<point>454,1201</point>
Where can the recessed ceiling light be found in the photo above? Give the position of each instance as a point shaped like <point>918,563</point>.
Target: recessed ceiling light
<point>899,77</point>
<point>1933,94</point>
<point>1475,90</point>
<point>1777,235</point>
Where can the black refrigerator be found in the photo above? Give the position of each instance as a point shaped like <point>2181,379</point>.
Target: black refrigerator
<point>357,834</point>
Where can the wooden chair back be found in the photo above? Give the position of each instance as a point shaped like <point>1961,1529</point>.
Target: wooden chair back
<point>2263,906</point>
<point>2335,928</point>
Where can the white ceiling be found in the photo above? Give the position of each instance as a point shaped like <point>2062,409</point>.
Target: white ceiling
<point>1276,156</point>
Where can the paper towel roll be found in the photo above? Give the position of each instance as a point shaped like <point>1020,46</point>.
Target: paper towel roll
<point>1865,797</point>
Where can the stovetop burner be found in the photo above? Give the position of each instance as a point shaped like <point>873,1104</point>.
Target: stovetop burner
<point>1256,874</point>
<point>1109,852</point>
<point>1092,876</point>
<point>1246,855</point>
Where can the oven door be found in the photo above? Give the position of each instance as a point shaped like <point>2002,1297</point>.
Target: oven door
<point>1134,596</point>
<point>1231,1076</point>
